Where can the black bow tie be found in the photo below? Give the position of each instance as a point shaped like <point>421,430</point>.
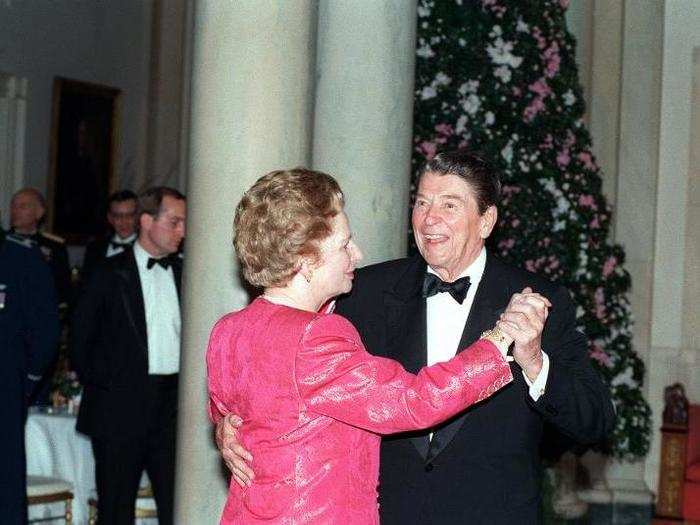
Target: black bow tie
<point>165,262</point>
<point>432,284</point>
<point>116,244</point>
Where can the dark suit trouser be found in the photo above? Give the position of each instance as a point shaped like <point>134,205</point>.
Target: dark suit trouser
<point>119,461</point>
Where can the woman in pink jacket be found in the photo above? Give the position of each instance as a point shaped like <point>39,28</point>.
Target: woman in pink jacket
<point>313,401</point>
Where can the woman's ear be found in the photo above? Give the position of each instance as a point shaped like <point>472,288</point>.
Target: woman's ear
<point>306,269</point>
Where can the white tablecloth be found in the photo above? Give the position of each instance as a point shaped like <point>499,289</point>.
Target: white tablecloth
<point>55,449</point>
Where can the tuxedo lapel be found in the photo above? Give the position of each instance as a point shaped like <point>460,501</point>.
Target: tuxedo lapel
<point>406,331</point>
<point>132,297</point>
<point>177,274</point>
<point>489,302</point>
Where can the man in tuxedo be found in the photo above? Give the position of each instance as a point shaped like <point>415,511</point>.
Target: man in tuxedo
<point>121,216</point>
<point>483,466</point>
<point>126,349</point>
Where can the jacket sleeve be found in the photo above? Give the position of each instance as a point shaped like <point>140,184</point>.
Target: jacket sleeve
<point>575,401</point>
<point>336,377</point>
<point>40,314</point>
<point>85,325</point>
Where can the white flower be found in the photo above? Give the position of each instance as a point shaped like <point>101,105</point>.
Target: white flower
<point>522,27</point>
<point>489,118</point>
<point>569,98</point>
<point>502,72</point>
<point>523,167</point>
<point>507,153</point>
<point>500,53</point>
<point>428,92</point>
<point>461,125</point>
<point>496,31</point>
<point>472,104</point>
<point>423,11</point>
<point>625,378</point>
<point>441,79</point>
<point>470,86</point>
<point>462,42</point>
<point>425,51</point>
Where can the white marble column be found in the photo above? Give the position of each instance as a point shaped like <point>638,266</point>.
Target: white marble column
<point>252,97</point>
<point>363,115</point>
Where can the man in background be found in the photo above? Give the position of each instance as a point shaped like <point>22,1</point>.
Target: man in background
<point>27,212</point>
<point>121,216</point>
<point>125,347</point>
<point>28,337</point>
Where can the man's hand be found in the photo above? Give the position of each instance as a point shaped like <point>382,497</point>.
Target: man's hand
<point>235,456</point>
<point>524,320</point>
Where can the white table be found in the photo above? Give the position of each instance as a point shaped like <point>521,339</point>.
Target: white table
<point>56,449</point>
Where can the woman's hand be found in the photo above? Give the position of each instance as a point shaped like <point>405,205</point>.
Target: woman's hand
<point>235,456</point>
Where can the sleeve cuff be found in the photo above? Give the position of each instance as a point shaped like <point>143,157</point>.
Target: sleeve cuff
<point>537,387</point>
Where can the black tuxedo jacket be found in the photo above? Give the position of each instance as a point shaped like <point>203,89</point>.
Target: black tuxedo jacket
<point>109,348</point>
<point>95,255</point>
<point>483,466</point>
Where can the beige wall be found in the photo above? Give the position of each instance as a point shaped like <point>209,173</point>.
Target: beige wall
<point>641,78</point>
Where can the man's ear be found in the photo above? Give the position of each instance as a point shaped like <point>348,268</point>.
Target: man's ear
<point>488,221</point>
<point>146,221</point>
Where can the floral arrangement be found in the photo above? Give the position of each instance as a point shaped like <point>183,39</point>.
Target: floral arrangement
<point>500,77</point>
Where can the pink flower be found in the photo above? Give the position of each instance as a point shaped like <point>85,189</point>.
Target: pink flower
<point>599,355</point>
<point>595,224</point>
<point>444,129</point>
<point>533,109</point>
<point>429,149</point>
<point>563,158</point>
<point>517,92</point>
<point>587,160</point>
<point>587,201</point>
<point>515,223</point>
<point>540,87</point>
<point>552,59</point>
<point>506,244</point>
<point>564,4</point>
<point>609,266</point>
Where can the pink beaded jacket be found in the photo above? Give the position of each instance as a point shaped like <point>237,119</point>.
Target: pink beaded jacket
<point>313,403</point>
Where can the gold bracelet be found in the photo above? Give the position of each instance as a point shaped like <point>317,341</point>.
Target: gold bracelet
<point>499,339</point>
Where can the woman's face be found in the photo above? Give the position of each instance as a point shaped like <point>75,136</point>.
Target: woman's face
<point>339,256</point>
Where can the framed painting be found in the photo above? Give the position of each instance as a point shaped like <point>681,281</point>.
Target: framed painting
<point>84,132</point>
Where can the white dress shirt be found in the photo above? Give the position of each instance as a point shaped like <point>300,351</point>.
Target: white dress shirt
<point>446,319</point>
<point>162,309</point>
<point>111,251</point>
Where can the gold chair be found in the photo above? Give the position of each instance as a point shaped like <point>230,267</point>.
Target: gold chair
<point>42,490</point>
<point>143,509</point>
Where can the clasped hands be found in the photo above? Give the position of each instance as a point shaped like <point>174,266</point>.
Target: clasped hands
<point>522,321</point>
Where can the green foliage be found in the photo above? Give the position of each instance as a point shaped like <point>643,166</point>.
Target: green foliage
<point>500,77</point>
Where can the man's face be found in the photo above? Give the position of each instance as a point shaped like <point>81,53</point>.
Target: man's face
<point>25,212</point>
<point>449,230</point>
<point>122,217</point>
<point>162,234</point>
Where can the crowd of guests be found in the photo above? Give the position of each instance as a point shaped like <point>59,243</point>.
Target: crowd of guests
<point>123,315</point>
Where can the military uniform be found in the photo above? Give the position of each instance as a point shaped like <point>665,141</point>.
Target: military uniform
<point>28,335</point>
<point>53,249</point>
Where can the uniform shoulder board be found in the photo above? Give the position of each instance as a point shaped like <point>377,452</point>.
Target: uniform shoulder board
<point>22,241</point>
<point>53,237</point>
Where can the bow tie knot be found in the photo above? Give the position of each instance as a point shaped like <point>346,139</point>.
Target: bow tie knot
<point>116,244</point>
<point>164,262</point>
<point>432,284</point>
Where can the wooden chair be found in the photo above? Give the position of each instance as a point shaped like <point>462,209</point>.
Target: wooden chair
<point>143,510</point>
<point>42,490</point>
